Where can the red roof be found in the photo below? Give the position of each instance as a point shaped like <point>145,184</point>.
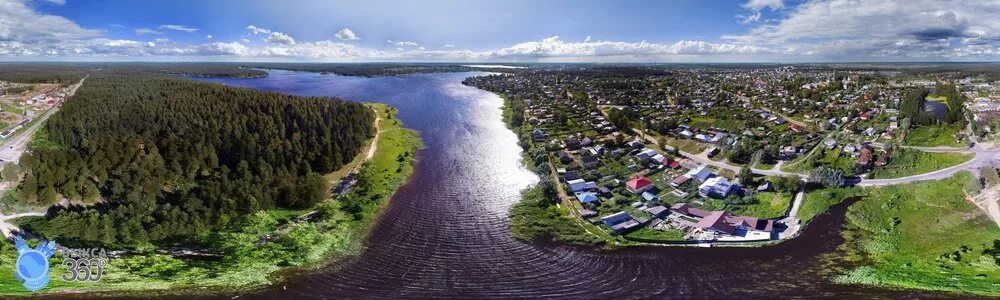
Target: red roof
<point>638,183</point>
<point>674,165</point>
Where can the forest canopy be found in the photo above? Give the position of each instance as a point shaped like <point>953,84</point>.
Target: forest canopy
<point>156,158</point>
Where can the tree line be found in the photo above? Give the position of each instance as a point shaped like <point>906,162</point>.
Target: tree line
<point>159,159</point>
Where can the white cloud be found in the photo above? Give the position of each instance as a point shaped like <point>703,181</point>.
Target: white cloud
<point>20,24</point>
<point>402,43</point>
<point>346,35</point>
<point>846,29</point>
<point>208,37</point>
<point>56,2</point>
<point>755,7</point>
<point>279,38</point>
<point>220,48</point>
<point>553,47</point>
<point>179,28</point>
<point>814,30</point>
<point>257,30</point>
<point>144,31</point>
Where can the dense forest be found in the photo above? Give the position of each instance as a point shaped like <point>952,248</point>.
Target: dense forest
<point>158,159</point>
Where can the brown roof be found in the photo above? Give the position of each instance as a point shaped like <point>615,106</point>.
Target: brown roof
<point>866,155</point>
<point>717,221</point>
<point>686,209</point>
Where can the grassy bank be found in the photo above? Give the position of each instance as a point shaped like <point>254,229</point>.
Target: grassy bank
<point>923,236</point>
<point>262,246</point>
<point>817,202</point>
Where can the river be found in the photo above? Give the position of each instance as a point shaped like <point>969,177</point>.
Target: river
<point>445,233</point>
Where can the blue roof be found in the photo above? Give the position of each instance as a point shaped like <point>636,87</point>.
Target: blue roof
<point>587,197</point>
<point>649,196</point>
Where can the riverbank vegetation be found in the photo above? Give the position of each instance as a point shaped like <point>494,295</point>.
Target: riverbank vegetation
<point>255,249</point>
<point>924,235</point>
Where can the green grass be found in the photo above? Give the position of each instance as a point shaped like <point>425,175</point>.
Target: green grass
<point>924,236</point>
<point>769,205</point>
<point>817,202</point>
<point>535,217</point>
<point>245,262</point>
<point>934,136</point>
<point>908,162</point>
<point>658,235</point>
<point>936,98</point>
<point>7,107</point>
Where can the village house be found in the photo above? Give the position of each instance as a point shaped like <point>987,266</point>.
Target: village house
<point>639,185</point>
<point>701,173</point>
<point>620,222</point>
<point>538,135</point>
<point>717,187</point>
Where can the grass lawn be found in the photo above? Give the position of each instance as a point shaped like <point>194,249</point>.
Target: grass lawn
<point>686,145</point>
<point>659,235</point>
<point>7,107</point>
<point>769,205</point>
<point>908,162</point>
<point>923,236</point>
<point>819,201</point>
<point>934,136</point>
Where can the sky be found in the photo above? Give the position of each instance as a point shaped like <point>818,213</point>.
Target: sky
<point>501,31</point>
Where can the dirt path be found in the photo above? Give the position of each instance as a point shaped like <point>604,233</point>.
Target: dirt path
<point>378,131</point>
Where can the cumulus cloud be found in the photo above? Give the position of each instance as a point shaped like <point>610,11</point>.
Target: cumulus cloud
<point>346,35</point>
<point>402,43</point>
<point>814,30</point>
<point>179,28</point>
<point>756,6</point>
<point>553,47</point>
<point>21,24</point>
<point>279,38</point>
<point>144,31</point>
<point>257,30</point>
<point>220,48</point>
<point>876,28</point>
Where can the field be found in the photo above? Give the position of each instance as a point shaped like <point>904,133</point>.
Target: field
<point>934,136</point>
<point>923,236</point>
<point>908,162</point>
<point>241,261</point>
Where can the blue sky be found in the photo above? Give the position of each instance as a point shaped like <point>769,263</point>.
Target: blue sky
<point>503,31</point>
